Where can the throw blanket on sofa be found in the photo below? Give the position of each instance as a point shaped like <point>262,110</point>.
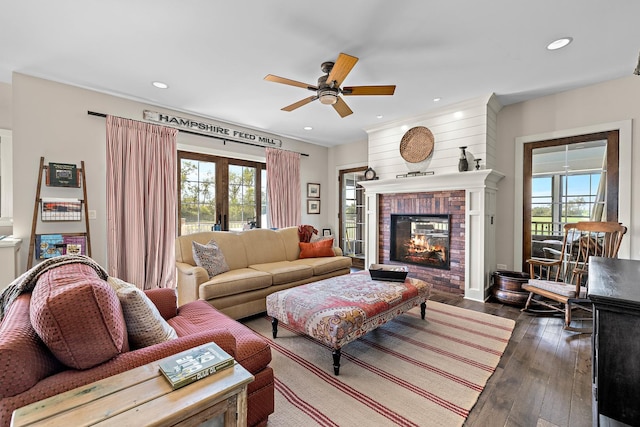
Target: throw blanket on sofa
<point>27,281</point>
<point>305,232</point>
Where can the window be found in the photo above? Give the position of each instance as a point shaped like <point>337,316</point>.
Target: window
<point>220,193</point>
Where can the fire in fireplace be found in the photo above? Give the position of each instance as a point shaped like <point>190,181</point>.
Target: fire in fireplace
<point>420,239</point>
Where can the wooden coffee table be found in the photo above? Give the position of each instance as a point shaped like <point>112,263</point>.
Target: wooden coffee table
<point>143,397</point>
<point>340,309</point>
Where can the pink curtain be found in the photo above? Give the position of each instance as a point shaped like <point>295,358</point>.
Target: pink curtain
<point>141,202</point>
<point>283,187</point>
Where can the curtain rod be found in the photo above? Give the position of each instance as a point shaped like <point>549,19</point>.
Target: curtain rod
<point>93,113</point>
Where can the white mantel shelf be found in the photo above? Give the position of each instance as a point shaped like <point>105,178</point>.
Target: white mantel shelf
<point>483,178</point>
<point>480,188</point>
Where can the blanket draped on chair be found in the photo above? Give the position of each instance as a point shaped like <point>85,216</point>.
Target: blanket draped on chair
<point>27,281</point>
<point>305,232</point>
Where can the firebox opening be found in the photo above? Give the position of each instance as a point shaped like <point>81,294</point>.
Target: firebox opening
<point>420,239</point>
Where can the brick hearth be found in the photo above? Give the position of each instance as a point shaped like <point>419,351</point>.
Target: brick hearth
<point>440,202</point>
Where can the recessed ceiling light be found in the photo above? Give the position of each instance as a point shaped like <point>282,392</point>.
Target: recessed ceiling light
<point>436,99</point>
<point>379,116</point>
<point>404,127</point>
<point>160,85</point>
<point>560,43</point>
<point>307,128</point>
<point>458,114</point>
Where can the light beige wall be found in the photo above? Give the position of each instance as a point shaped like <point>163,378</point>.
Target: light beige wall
<point>50,120</point>
<point>6,109</point>
<point>608,102</point>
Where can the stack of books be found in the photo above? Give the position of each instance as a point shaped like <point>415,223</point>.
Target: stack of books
<point>194,364</point>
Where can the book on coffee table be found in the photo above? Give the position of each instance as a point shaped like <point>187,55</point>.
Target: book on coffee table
<point>194,364</point>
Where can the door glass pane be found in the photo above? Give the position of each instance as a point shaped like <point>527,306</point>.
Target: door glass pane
<point>197,195</point>
<point>242,192</point>
<point>352,215</point>
<point>565,189</point>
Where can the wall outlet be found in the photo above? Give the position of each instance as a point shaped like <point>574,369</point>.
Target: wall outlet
<point>92,214</point>
<point>502,266</point>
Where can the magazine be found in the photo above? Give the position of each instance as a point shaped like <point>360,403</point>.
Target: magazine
<point>194,364</point>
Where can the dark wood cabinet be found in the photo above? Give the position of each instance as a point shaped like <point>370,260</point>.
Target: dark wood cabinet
<point>614,289</point>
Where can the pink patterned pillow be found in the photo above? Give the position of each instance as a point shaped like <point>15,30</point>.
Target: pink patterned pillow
<point>210,257</point>
<point>78,316</point>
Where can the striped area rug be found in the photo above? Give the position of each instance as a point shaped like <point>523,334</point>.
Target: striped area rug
<point>408,372</point>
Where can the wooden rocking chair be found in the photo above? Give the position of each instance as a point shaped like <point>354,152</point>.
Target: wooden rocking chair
<point>560,285</point>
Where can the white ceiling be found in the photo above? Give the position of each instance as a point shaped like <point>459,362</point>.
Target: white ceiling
<point>215,54</point>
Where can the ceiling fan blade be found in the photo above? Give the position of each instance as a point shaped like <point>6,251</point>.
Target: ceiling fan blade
<point>341,68</point>
<point>299,103</point>
<point>342,108</point>
<point>276,79</point>
<point>369,90</point>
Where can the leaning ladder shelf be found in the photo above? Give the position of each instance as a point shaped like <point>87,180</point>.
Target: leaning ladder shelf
<point>38,201</point>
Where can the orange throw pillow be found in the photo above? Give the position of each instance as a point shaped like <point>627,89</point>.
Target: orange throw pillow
<point>321,248</point>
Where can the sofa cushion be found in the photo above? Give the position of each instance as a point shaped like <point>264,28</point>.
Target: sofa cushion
<point>289,237</point>
<point>145,324</point>
<point>326,265</point>
<point>78,316</point>
<point>24,359</point>
<point>263,246</point>
<point>229,242</point>
<point>209,257</point>
<point>234,282</point>
<point>252,351</point>
<point>285,271</point>
<point>322,248</point>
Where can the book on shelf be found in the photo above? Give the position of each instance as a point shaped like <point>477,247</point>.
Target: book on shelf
<point>62,175</point>
<point>53,245</point>
<point>194,364</point>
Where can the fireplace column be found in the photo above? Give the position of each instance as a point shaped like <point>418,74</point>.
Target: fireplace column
<point>480,226</point>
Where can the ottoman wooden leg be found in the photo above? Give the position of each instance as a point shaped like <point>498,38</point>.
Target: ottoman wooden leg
<point>336,361</point>
<point>274,327</point>
<point>423,309</point>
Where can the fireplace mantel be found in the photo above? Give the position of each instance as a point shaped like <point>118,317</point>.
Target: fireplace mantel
<point>480,208</point>
<point>441,182</point>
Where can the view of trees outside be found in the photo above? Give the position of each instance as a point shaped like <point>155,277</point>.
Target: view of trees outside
<point>572,202</point>
<point>198,195</point>
<point>242,196</point>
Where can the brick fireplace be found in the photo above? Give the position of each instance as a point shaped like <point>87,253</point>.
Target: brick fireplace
<point>470,200</point>
<point>433,203</point>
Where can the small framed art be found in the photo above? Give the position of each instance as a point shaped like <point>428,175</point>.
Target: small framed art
<point>313,206</point>
<point>326,232</point>
<point>313,190</point>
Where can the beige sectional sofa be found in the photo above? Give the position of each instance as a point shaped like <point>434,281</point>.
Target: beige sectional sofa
<point>261,261</point>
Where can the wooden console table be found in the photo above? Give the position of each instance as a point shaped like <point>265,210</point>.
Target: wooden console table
<point>143,397</point>
<point>615,293</point>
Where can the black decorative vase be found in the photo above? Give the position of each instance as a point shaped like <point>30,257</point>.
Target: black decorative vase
<point>463,164</point>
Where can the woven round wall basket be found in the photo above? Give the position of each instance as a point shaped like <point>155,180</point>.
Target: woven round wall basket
<point>416,144</point>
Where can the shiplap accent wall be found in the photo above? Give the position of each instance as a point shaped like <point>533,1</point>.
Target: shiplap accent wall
<point>471,123</point>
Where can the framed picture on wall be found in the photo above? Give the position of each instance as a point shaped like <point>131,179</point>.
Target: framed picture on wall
<point>326,232</point>
<point>313,190</point>
<point>313,206</point>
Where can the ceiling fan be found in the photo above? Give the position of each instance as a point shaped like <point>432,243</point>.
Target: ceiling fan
<point>328,89</point>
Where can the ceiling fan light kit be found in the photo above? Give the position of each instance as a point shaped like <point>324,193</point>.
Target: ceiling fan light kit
<point>328,90</point>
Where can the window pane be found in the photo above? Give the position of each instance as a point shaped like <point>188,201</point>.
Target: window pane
<point>197,195</point>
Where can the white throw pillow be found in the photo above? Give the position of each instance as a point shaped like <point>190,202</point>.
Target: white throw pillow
<point>145,324</point>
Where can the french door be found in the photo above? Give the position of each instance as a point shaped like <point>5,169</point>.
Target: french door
<point>219,193</point>
<point>567,180</point>
<point>351,215</point>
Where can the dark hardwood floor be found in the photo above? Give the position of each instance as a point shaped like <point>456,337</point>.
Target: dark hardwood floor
<point>544,377</point>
